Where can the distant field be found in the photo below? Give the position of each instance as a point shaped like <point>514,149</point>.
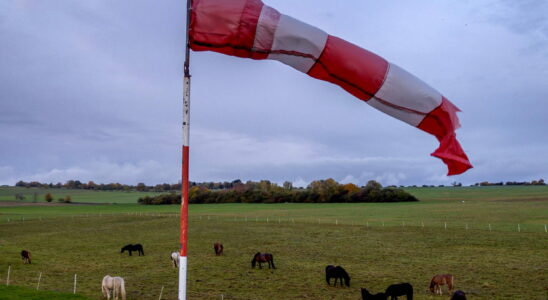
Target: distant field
<point>86,196</point>
<point>85,239</point>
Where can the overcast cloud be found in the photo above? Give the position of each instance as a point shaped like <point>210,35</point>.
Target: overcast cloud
<point>91,90</point>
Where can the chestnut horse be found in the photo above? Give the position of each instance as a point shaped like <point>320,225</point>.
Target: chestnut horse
<point>25,256</point>
<point>439,280</point>
<point>218,247</point>
<point>261,258</point>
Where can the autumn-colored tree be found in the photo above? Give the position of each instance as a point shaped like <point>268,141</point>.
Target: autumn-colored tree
<point>48,197</point>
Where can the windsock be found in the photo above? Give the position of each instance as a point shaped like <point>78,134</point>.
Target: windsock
<point>251,29</point>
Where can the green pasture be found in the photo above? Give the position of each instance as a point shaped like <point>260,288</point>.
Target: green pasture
<point>377,243</point>
<point>487,265</point>
<point>20,293</point>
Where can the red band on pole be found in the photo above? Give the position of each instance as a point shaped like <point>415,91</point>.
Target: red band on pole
<point>184,203</point>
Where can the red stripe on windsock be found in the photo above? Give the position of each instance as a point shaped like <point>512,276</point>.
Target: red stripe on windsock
<point>358,71</point>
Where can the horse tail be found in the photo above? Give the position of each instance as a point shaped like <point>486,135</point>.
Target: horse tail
<point>254,260</point>
<point>272,260</point>
<point>122,289</point>
<point>410,293</point>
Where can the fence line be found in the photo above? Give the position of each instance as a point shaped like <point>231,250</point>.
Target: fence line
<point>503,227</point>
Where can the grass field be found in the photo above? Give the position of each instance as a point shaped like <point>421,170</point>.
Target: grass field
<point>85,240</point>
<point>20,293</point>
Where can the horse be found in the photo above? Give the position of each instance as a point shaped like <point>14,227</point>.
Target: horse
<point>395,290</point>
<point>261,258</point>
<point>368,296</point>
<point>25,256</point>
<point>175,259</point>
<point>338,273</point>
<point>130,248</point>
<point>114,284</point>
<point>439,280</point>
<point>218,247</point>
<point>458,295</point>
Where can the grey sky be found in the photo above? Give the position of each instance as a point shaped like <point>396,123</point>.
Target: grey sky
<point>91,90</point>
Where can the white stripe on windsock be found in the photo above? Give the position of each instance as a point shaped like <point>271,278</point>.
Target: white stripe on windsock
<point>297,37</point>
<point>403,90</point>
<point>266,28</point>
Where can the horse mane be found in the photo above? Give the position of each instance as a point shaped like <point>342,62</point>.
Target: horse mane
<point>254,260</point>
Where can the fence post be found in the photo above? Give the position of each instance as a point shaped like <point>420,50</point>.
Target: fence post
<point>279,220</point>
<point>519,229</point>
<point>318,220</point>
<point>382,223</point>
<point>422,224</point>
<point>403,223</point>
<point>446,225</point>
<point>8,279</point>
<point>545,229</point>
<point>74,291</point>
<point>161,291</point>
<point>38,284</point>
<point>367,225</point>
<point>466,226</point>
<point>266,219</point>
<point>489,226</point>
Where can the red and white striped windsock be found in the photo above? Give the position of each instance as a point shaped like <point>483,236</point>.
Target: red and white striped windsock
<point>250,29</point>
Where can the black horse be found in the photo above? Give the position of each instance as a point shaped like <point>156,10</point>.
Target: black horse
<point>338,273</point>
<point>261,258</point>
<point>130,248</point>
<point>458,295</point>
<point>366,295</point>
<point>400,289</point>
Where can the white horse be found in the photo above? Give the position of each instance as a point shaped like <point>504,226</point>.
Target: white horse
<point>175,259</point>
<point>114,284</point>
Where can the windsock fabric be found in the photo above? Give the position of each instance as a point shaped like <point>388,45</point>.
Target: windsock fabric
<point>250,29</point>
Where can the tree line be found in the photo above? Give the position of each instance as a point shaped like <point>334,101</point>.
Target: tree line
<point>264,191</point>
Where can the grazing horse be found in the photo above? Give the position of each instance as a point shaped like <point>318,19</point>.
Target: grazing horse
<point>439,280</point>
<point>458,295</point>
<point>114,284</point>
<point>218,247</point>
<point>130,248</point>
<point>368,296</point>
<point>25,256</point>
<point>175,259</point>
<point>400,289</point>
<point>338,273</point>
<point>261,258</point>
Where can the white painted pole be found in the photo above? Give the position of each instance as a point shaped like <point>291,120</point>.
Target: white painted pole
<point>8,279</point>
<point>39,278</point>
<point>74,291</point>
<point>161,291</point>
<point>182,277</point>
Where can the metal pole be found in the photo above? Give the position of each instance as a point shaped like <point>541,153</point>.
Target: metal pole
<point>185,163</point>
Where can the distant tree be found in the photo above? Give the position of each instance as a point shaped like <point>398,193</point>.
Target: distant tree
<point>48,197</point>
<point>372,184</point>
<point>288,185</point>
<point>141,187</point>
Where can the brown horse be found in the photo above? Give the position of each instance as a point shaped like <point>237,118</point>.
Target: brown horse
<point>261,258</point>
<point>439,280</point>
<point>218,247</point>
<point>25,256</point>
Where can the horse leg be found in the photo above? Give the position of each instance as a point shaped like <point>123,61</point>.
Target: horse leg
<point>260,265</point>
